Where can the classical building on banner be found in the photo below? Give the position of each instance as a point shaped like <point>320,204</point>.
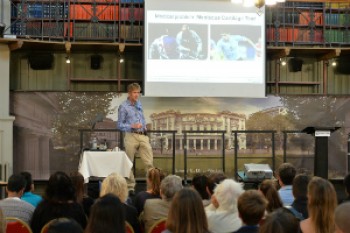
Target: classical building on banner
<point>175,120</point>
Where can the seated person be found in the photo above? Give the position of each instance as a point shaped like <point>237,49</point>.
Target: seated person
<point>28,194</point>
<point>281,221</point>
<point>13,206</point>
<point>342,223</point>
<point>200,183</point>
<point>156,209</point>
<point>285,175</point>
<point>251,208</point>
<point>64,225</point>
<point>347,187</point>
<point>222,213</point>
<point>300,183</point>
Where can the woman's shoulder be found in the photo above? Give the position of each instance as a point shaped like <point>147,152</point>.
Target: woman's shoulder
<point>306,226</point>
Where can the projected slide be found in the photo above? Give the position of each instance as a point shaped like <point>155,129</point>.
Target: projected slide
<point>204,53</point>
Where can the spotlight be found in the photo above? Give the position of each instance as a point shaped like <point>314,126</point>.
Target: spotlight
<point>334,63</point>
<point>283,62</point>
<point>67,59</point>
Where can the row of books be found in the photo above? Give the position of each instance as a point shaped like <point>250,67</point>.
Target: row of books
<point>39,10</point>
<point>38,29</point>
<point>337,5</point>
<point>103,31</point>
<point>337,19</point>
<point>294,35</point>
<point>338,36</point>
<point>296,18</point>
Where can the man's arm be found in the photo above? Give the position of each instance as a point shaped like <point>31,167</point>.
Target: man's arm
<point>122,123</point>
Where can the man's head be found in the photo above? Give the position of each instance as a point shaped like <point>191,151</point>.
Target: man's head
<point>169,186</point>
<point>16,185</point>
<point>28,177</point>
<point>286,173</point>
<point>134,92</point>
<point>251,207</point>
<point>342,223</point>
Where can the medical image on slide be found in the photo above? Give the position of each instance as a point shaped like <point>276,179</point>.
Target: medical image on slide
<point>178,41</point>
<point>235,43</point>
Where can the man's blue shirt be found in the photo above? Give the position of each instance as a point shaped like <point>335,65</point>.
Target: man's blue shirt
<point>129,114</point>
<point>32,198</point>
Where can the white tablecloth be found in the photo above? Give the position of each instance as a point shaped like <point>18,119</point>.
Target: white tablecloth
<point>103,163</point>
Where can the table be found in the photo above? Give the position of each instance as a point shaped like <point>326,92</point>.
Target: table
<point>103,163</point>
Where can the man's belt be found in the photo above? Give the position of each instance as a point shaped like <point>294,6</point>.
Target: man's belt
<point>140,132</point>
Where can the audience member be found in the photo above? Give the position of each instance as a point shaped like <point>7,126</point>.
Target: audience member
<point>64,225</point>
<point>251,208</point>
<point>2,223</point>
<point>342,223</point>
<point>285,174</point>
<point>107,215</point>
<point>82,198</point>
<point>117,185</point>
<point>59,201</point>
<point>300,184</point>
<point>222,213</point>
<point>154,177</point>
<point>13,206</point>
<point>268,189</point>
<point>347,187</point>
<point>213,180</point>
<point>322,201</point>
<point>200,183</point>
<point>156,209</point>
<point>280,221</point>
<point>28,195</point>
<point>186,214</point>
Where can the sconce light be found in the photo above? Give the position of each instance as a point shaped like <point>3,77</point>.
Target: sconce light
<point>121,53</point>
<point>334,63</point>
<point>68,59</point>
<point>283,61</point>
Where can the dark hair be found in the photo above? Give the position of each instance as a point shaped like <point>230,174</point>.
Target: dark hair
<point>286,172</point>
<point>78,183</point>
<point>200,183</point>
<point>29,181</point>
<point>268,188</point>
<point>347,183</point>
<point>186,213</point>
<point>107,216</point>
<point>280,221</point>
<point>215,179</point>
<point>251,207</point>
<point>16,183</point>
<point>64,225</point>
<point>300,183</point>
<point>60,188</point>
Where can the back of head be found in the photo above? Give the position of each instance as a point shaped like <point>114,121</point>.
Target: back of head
<point>227,193</point>
<point>347,183</point>
<point>60,188</point>
<point>115,184</point>
<point>155,176</point>
<point>268,188</point>
<point>342,222</point>
<point>286,173</point>
<point>300,184</point>
<point>170,185</point>
<point>251,207</point>
<point>64,225</point>
<point>107,216</point>
<point>16,183</point>
<point>186,214</point>
<point>322,201</point>
<point>29,181</point>
<point>214,180</point>
<point>200,183</point>
<point>78,183</point>
<point>280,221</point>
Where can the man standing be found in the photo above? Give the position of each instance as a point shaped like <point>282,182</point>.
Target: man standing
<point>132,121</point>
<point>189,43</point>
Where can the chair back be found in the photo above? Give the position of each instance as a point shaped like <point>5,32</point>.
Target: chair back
<point>158,226</point>
<point>128,228</point>
<point>16,225</point>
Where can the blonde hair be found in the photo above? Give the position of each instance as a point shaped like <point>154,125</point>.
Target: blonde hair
<point>322,201</point>
<point>115,184</point>
<point>134,86</point>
